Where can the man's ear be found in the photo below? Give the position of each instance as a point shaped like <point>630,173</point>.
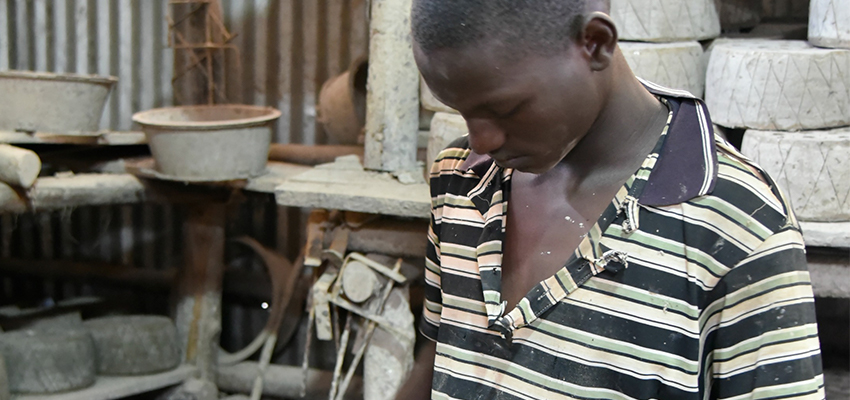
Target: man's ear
<point>600,39</point>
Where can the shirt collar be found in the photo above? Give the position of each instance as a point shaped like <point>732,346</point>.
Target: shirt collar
<point>687,165</point>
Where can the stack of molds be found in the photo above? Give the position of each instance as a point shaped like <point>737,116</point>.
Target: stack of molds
<point>659,39</point>
<point>793,99</point>
<point>829,23</point>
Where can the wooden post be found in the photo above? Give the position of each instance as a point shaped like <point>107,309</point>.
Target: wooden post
<point>199,307</point>
<point>392,101</point>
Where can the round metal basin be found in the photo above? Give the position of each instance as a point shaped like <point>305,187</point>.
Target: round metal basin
<point>211,142</point>
<point>65,104</point>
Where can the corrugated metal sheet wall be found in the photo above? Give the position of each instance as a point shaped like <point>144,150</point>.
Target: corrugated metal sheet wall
<point>287,49</point>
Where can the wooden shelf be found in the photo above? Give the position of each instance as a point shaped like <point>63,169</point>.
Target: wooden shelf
<point>102,138</point>
<point>114,387</point>
<point>345,185</point>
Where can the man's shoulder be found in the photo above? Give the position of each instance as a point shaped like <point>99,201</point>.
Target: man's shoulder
<point>745,196</point>
<point>451,159</point>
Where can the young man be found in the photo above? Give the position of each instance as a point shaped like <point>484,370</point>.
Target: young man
<point>590,238</point>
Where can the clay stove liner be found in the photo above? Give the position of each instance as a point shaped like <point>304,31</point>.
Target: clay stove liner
<point>209,142</point>
<point>42,102</point>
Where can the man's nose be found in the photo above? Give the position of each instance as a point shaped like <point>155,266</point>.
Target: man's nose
<point>485,137</point>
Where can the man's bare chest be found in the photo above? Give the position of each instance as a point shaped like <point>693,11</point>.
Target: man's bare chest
<point>543,230</point>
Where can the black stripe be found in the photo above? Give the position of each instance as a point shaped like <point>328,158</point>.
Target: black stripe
<point>464,389</point>
<point>624,330</point>
<point>785,317</point>
<point>767,375</point>
<point>746,201</point>
<point>764,267</point>
<point>461,286</point>
<point>561,369</point>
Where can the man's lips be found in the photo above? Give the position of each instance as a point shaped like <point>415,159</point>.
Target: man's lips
<point>507,161</point>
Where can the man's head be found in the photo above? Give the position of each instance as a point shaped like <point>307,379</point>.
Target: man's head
<point>529,76</point>
<point>539,26</point>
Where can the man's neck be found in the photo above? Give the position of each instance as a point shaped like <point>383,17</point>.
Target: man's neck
<point>624,133</point>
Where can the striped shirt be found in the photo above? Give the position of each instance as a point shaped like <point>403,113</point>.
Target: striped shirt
<point>691,285</point>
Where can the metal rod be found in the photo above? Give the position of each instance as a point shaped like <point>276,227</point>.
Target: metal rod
<point>340,357</point>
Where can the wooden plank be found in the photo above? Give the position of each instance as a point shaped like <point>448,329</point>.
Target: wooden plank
<point>50,193</point>
<point>89,271</point>
<point>108,388</point>
<point>355,190</point>
<point>277,173</point>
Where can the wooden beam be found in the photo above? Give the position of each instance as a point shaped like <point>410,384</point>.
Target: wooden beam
<point>62,192</point>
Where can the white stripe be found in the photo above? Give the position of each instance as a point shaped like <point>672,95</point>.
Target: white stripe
<point>707,140</point>
<point>666,90</point>
<point>479,188</point>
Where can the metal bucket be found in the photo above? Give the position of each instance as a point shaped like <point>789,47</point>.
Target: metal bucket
<point>210,142</point>
<point>66,104</point>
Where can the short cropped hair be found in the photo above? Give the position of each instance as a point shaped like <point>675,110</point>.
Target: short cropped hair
<point>539,26</point>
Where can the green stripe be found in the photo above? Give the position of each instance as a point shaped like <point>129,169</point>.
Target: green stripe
<point>785,391</point>
<point>434,307</point>
<point>489,247</point>
<point>465,304</point>
<point>491,296</point>
<point>758,289</point>
<point>735,214</point>
<point>453,152</point>
<point>769,338</point>
<point>453,249</point>
<point>643,297</point>
<point>625,349</point>
<point>532,377</point>
<point>675,248</point>
<point>457,201</point>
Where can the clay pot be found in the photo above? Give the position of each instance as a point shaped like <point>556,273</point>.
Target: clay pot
<point>342,104</point>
